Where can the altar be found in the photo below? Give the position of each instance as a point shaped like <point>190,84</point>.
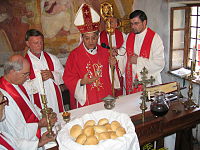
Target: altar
<point>177,120</point>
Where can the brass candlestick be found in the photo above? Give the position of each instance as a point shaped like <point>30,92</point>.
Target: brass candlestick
<point>189,104</point>
<point>144,83</point>
<point>47,112</point>
<point>106,11</point>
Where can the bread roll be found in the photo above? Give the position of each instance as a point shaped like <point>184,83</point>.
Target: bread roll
<point>108,127</point>
<point>103,121</point>
<point>81,139</point>
<point>103,136</point>
<point>100,129</point>
<point>115,125</point>
<point>113,135</point>
<point>75,131</point>
<point>88,131</point>
<point>91,140</point>
<point>89,123</point>
<point>120,131</point>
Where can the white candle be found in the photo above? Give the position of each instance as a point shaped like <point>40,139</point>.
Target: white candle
<point>149,95</point>
<point>40,83</point>
<point>194,55</point>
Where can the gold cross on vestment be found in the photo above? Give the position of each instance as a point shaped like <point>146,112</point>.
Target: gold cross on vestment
<point>86,12</point>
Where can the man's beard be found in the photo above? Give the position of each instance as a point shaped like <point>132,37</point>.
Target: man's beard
<point>3,116</point>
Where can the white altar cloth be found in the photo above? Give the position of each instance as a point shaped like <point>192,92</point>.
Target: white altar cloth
<point>129,104</point>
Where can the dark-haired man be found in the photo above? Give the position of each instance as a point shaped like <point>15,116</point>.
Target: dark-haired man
<point>86,72</point>
<point>49,67</point>
<point>144,48</point>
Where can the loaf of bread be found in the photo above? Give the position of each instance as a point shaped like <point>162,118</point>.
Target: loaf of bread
<point>120,131</point>
<point>75,131</point>
<point>89,123</point>
<point>91,140</point>
<point>99,129</point>
<point>115,125</point>
<point>103,136</point>
<point>108,127</point>
<point>81,139</point>
<point>103,121</point>
<point>88,131</point>
<point>92,133</point>
<point>113,134</point>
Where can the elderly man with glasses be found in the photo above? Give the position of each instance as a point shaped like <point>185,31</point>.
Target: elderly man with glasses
<point>22,123</point>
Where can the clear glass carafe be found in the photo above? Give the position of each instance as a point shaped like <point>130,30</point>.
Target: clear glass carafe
<point>159,107</point>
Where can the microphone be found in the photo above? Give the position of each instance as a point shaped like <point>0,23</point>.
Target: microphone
<point>105,46</point>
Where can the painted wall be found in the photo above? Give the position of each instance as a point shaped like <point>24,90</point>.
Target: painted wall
<point>54,18</point>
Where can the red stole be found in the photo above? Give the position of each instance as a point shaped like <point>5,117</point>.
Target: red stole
<point>29,116</point>
<point>144,52</point>
<point>118,37</point>
<point>5,143</point>
<point>32,76</point>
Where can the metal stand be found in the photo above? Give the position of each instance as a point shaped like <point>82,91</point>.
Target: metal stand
<point>107,12</point>
<point>190,104</point>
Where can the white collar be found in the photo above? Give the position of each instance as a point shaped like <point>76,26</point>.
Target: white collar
<point>33,56</point>
<point>142,34</point>
<point>91,51</point>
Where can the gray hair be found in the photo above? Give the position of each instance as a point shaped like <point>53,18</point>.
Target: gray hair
<point>13,65</point>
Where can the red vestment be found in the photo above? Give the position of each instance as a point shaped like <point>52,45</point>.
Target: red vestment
<point>81,62</point>
<point>144,52</point>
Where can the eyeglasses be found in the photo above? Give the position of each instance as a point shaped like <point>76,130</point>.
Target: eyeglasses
<point>4,100</point>
<point>135,23</point>
<point>26,74</point>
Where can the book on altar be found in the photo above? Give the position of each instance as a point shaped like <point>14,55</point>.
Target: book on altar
<point>128,141</point>
<point>182,72</point>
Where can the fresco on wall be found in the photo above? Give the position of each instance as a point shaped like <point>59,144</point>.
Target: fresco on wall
<point>54,18</point>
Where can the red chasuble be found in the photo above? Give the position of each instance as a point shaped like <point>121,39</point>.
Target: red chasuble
<point>29,116</point>
<point>32,76</point>
<point>81,62</point>
<point>5,143</point>
<point>144,52</point>
<point>119,42</point>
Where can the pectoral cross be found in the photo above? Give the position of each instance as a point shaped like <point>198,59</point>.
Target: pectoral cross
<point>145,81</point>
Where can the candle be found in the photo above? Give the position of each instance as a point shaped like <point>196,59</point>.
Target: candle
<point>149,95</point>
<point>40,83</point>
<point>194,54</point>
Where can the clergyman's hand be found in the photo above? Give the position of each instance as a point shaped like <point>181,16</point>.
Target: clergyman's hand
<point>45,139</point>
<point>43,122</point>
<point>112,61</point>
<point>114,51</point>
<point>87,80</point>
<point>46,74</point>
